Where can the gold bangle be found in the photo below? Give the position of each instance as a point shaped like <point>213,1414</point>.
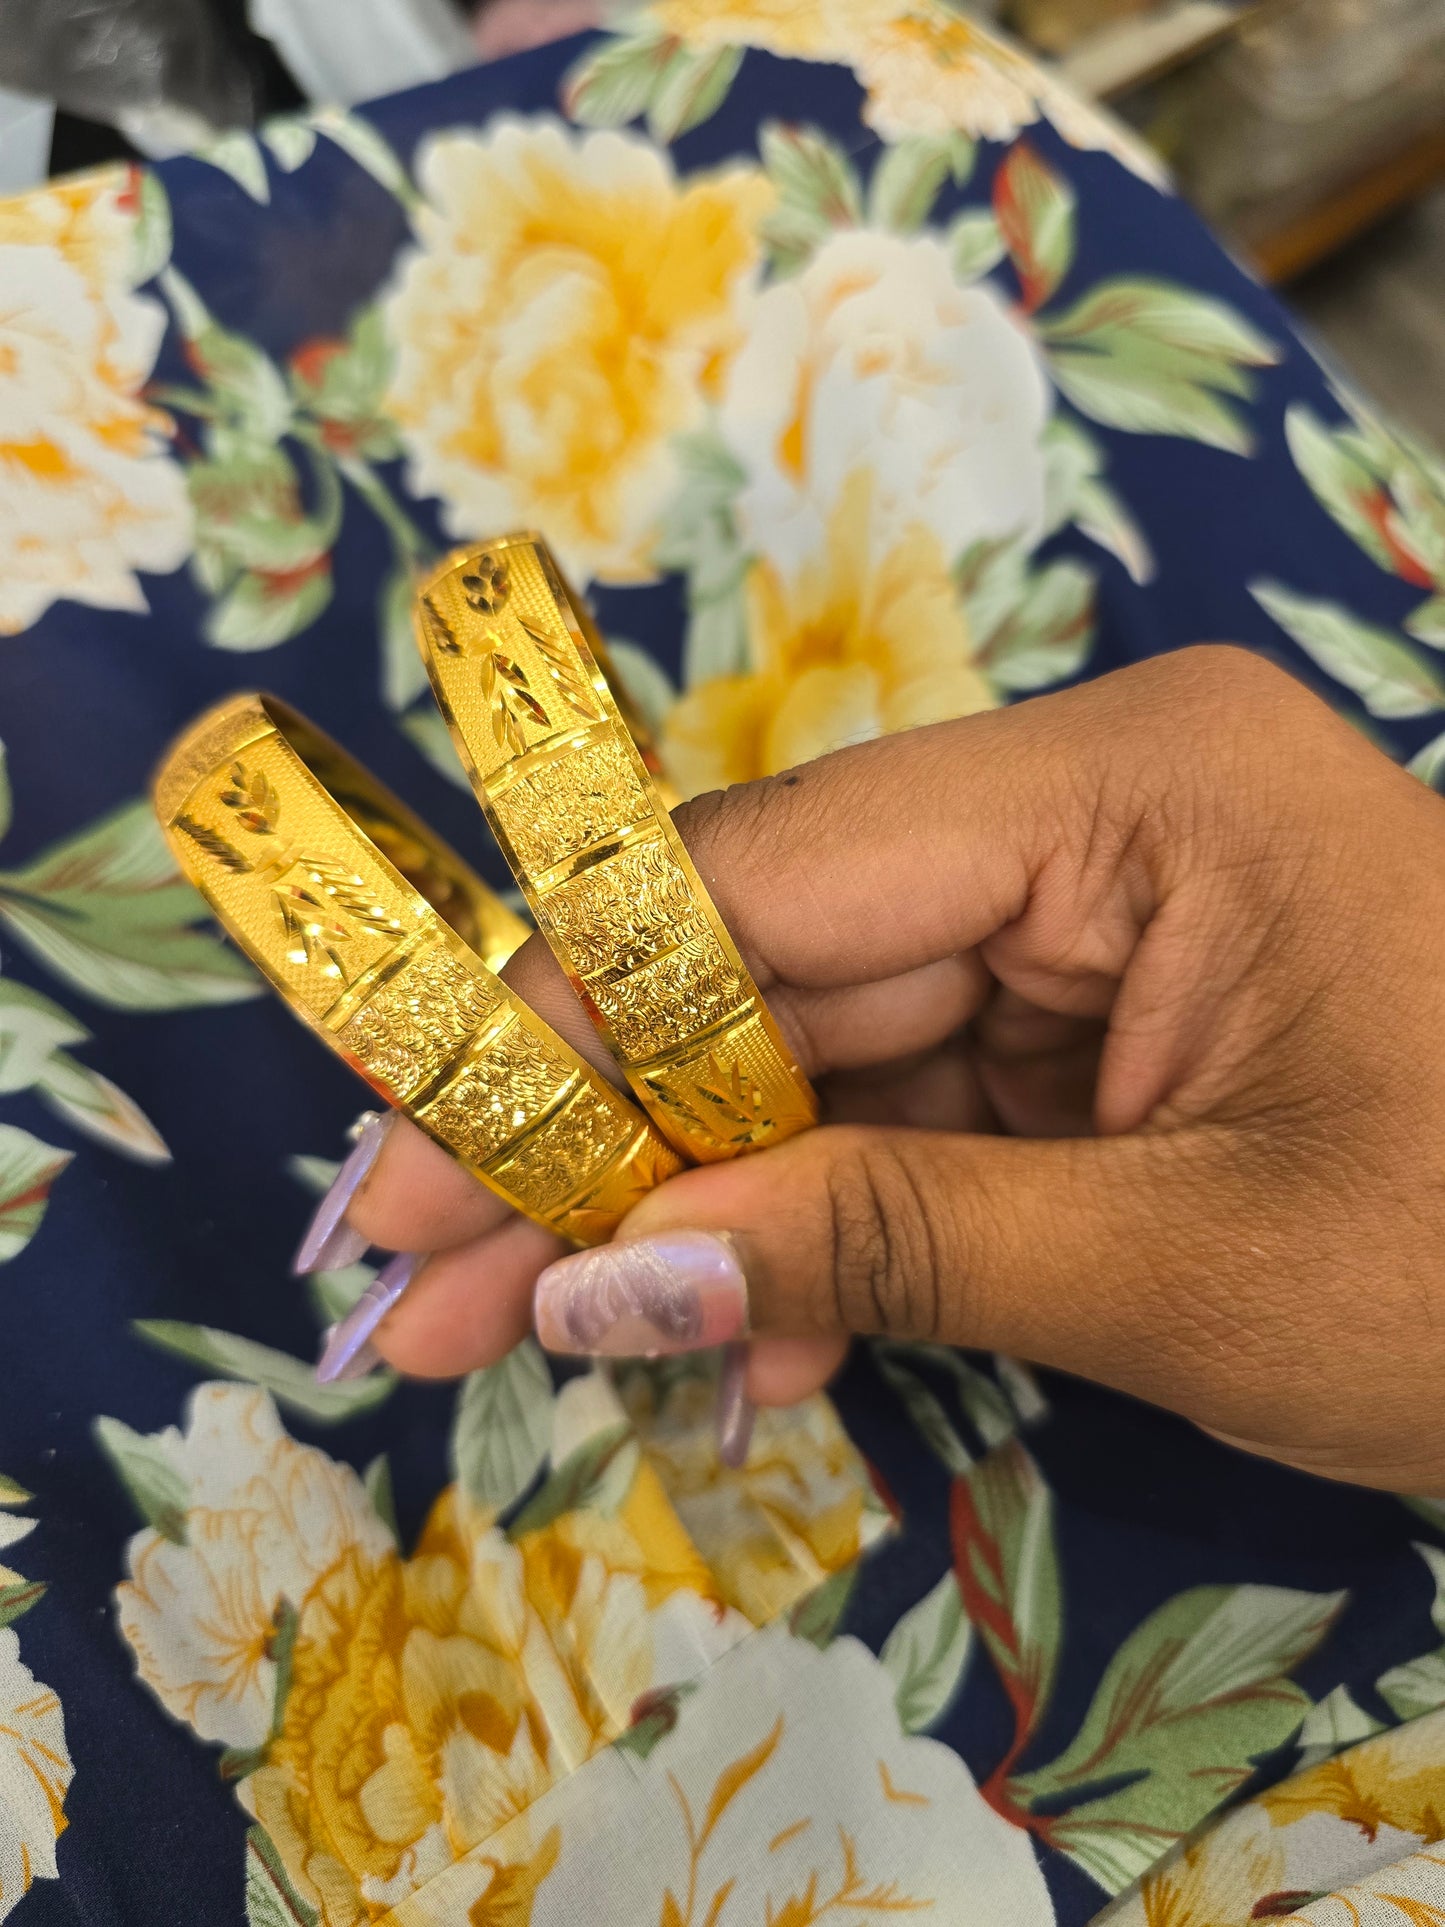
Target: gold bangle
<point>370,928</point>
<point>514,661</point>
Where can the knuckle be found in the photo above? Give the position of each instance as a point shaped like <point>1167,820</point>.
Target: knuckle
<point>884,1259</point>
<point>1228,675</point>
<point>1230,699</point>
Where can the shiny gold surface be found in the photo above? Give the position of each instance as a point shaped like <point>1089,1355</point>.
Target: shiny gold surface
<point>381,938</point>
<point>514,661</point>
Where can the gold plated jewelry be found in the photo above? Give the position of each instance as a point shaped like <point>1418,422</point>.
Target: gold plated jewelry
<point>374,933</point>
<point>519,672</point>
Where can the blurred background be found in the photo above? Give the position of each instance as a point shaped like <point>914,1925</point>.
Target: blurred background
<point>1311,133</point>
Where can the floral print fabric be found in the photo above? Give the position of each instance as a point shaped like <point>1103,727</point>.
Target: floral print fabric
<point>866,379</point>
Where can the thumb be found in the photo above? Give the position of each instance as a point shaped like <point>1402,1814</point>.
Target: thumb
<point>1076,1252</point>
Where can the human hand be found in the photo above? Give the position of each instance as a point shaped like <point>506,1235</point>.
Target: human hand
<point>1128,1013</point>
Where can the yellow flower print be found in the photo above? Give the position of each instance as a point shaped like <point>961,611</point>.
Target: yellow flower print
<point>1371,1808</point>
<point>796,31</point>
<point>800,1509</point>
<point>88,492</point>
<point>1395,1780</point>
<point>927,68</point>
<point>1216,1881</point>
<point>543,364</point>
<point>930,70</point>
<point>857,645</point>
<point>512,1888</point>
<point>434,1700</point>
<point>265,1518</point>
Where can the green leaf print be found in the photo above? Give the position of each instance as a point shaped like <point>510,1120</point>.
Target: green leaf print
<point>342,382</point>
<point>1049,632</point>
<point>151,234</point>
<point>1344,482</point>
<point>597,1477</point>
<point>908,176</point>
<point>290,1381</point>
<point>247,501</point>
<point>271,1900</point>
<point>1035,211</point>
<point>1187,1705</point>
<point>146,1467</point>
<point>360,141</point>
<point>1076,493</point>
<point>926,1410</point>
<point>107,910</point>
<point>614,82</point>
<point>645,71</point>
<point>33,1033</point>
<point>99,1108</point>
<point>975,245</point>
<point>926,1656</point>
<point>644,682</point>
<point>239,155</point>
<point>1429,763</point>
<point>1418,1686</point>
<point>1152,358</point>
<point>1330,1726</point>
<point>700,537</point>
<point>379,1489</point>
<point>817,192</point>
<point>258,611</point>
<point>243,378</point>
<point>18,1597</point>
<point>1007,1569</point>
<point>1389,678</point>
<point>290,141</point>
<point>819,1614</point>
<point>690,88</point>
<point>502,1427</point>
<point>403,673</point>
<point>28,1168</point>
<point>333,1293</point>
<point>1427,623</point>
<point>1031,625</point>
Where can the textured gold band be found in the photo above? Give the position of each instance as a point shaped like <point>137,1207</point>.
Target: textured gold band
<point>370,929</point>
<point>514,661</point>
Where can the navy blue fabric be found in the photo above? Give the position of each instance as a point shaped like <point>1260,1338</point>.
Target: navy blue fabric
<point>88,702</point>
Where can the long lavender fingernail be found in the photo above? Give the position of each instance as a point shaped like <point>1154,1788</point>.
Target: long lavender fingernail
<point>735,1410</point>
<point>330,1243</point>
<point>648,1297</point>
<point>348,1351</point>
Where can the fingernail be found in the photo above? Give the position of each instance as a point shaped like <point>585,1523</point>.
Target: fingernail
<point>643,1299</point>
<point>348,1351</point>
<point>330,1243</point>
<point>735,1410</point>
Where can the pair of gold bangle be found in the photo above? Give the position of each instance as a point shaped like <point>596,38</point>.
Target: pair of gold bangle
<point>387,945</point>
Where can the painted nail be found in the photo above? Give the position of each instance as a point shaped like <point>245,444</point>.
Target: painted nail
<point>735,1410</point>
<point>347,1351</point>
<point>644,1299</point>
<point>330,1243</point>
